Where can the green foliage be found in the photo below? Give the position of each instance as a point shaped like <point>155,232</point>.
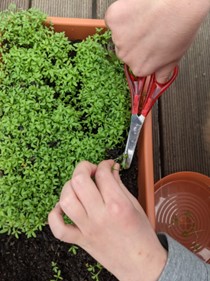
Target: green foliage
<point>122,161</point>
<point>56,272</point>
<point>60,103</point>
<point>94,270</point>
<point>73,249</point>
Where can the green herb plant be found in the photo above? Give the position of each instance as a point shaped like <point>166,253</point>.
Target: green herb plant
<point>94,270</point>
<point>56,272</point>
<point>73,250</point>
<point>60,103</point>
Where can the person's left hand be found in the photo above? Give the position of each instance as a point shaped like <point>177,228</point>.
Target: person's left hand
<point>109,223</point>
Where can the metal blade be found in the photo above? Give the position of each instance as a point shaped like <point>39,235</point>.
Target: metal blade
<point>135,128</point>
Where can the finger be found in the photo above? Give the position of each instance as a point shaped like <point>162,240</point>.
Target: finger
<point>71,205</point>
<point>116,50</point>
<point>116,175</point>
<point>164,73</point>
<point>106,182</point>
<point>62,231</point>
<point>85,167</point>
<point>85,188</point>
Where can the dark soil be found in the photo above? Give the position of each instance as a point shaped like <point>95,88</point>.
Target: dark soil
<point>30,259</point>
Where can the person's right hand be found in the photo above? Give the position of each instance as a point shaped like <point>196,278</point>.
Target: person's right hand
<point>109,223</point>
<point>153,35</point>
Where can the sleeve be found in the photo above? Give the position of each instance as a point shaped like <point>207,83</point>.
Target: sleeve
<point>182,265</point>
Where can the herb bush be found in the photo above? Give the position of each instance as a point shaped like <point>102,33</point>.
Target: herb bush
<point>60,103</point>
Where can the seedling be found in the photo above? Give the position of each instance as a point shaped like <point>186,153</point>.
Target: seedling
<point>57,272</point>
<point>121,160</point>
<point>94,270</point>
<point>73,250</point>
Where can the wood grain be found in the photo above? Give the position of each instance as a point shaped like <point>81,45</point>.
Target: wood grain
<point>102,7</point>
<point>65,8</point>
<point>184,111</point>
<point>156,142</point>
<point>24,4</point>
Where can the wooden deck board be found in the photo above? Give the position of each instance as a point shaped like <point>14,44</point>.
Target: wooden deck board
<point>184,109</point>
<point>102,6</point>
<point>65,8</point>
<point>156,143</point>
<point>24,4</point>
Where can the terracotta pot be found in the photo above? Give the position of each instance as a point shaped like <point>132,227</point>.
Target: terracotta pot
<point>76,28</point>
<point>182,207</point>
<point>79,29</point>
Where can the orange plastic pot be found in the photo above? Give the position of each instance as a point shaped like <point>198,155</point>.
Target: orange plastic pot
<point>182,207</point>
<point>75,28</point>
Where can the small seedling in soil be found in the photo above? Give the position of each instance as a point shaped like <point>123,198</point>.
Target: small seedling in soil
<point>73,250</point>
<point>95,270</point>
<point>57,272</point>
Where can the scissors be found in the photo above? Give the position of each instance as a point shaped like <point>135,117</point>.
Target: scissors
<point>144,93</point>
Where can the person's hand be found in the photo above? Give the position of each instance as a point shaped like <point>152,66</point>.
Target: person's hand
<point>153,35</point>
<point>109,223</point>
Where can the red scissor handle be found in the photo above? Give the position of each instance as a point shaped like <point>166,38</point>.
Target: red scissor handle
<point>136,86</point>
<point>155,90</point>
<point>152,93</point>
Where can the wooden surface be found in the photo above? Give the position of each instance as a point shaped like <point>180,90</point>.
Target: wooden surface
<point>24,4</point>
<point>102,7</point>
<point>180,115</point>
<point>65,8</point>
<point>184,111</point>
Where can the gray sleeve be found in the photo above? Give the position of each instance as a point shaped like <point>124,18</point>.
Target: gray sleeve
<point>182,265</point>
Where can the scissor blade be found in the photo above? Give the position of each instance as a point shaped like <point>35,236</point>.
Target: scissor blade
<point>135,128</point>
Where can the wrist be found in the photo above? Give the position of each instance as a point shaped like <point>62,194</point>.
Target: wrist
<point>154,265</point>
<point>145,267</point>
